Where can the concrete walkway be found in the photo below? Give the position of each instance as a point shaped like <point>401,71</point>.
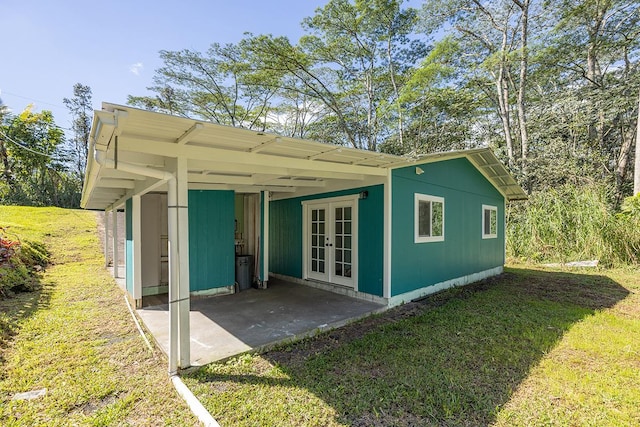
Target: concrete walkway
<point>228,325</point>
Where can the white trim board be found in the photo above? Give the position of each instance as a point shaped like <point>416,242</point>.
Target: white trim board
<point>398,299</point>
<point>427,290</point>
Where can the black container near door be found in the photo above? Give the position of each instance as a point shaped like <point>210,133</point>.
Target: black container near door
<point>244,264</point>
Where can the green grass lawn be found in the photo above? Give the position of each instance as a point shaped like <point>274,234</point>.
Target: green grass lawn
<point>75,337</point>
<point>532,347</point>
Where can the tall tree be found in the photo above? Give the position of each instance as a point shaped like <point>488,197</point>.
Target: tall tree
<point>219,85</point>
<point>596,52</point>
<point>4,155</point>
<point>346,74</point>
<point>493,40</point>
<point>636,169</point>
<point>36,174</point>
<point>352,60</point>
<point>442,113</point>
<point>81,109</point>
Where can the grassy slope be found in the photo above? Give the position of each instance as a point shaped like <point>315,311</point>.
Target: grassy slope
<point>530,348</point>
<point>75,338</point>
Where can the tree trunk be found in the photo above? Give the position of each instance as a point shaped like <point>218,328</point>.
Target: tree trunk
<point>522,113</point>
<point>502,86</point>
<point>503,103</point>
<point>636,168</point>
<point>623,159</point>
<point>396,94</point>
<point>6,165</point>
<point>594,75</point>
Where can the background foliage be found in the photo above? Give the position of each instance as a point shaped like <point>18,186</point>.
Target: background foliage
<point>552,87</point>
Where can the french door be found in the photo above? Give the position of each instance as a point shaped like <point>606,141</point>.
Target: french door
<point>331,241</point>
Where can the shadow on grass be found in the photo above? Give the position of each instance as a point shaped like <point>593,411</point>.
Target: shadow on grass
<point>453,358</point>
<point>19,307</point>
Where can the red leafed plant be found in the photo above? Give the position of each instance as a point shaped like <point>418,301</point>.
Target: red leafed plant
<point>8,247</point>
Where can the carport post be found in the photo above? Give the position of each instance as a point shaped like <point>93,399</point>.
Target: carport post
<point>264,273</point>
<point>116,260</point>
<point>179,305</point>
<point>106,238</point>
<point>136,259</point>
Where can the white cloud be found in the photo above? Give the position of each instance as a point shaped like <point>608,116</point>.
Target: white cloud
<point>136,68</point>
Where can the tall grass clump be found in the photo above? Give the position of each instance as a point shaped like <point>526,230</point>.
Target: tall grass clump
<point>572,223</point>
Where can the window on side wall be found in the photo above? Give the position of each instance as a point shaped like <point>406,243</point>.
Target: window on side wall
<point>429,218</point>
<point>489,222</point>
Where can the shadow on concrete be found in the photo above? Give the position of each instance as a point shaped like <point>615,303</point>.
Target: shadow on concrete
<point>228,325</point>
<point>454,358</point>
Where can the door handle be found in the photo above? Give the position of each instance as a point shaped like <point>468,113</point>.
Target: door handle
<point>329,244</point>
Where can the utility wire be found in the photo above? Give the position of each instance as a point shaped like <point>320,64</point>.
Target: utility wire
<point>24,146</point>
<point>40,102</point>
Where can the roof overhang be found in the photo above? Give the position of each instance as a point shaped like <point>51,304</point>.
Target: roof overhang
<point>131,151</point>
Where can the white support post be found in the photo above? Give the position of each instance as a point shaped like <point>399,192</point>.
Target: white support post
<point>183,232</point>
<point>106,238</point>
<point>172,220</point>
<point>136,232</point>
<point>179,304</point>
<point>265,238</point>
<point>116,258</point>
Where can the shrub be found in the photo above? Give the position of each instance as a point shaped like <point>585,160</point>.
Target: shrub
<point>20,264</point>
<point>8,248</point>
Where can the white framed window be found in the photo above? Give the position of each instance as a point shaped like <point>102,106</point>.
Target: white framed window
<point>489,222</point>
<point>429,218</point>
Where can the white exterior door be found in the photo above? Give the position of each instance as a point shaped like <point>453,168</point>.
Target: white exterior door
<point>331,240</point>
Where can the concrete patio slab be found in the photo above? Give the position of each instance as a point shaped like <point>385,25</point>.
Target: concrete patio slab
<point>225,326</point>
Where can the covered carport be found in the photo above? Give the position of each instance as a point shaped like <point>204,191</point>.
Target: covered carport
<point>133,153</point>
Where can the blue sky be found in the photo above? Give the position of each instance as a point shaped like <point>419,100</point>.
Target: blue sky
<point>49,45</point>
<point>112,46</point>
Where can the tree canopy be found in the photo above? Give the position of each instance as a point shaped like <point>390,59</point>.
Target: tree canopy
<point>553,87</point>
<point>33,161</point>
<point>37,164</point>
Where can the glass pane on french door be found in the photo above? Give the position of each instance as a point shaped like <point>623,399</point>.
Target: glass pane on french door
<point>318,237</point>
<point>342,262</point>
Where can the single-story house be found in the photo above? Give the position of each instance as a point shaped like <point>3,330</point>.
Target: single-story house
<point>199,196</point>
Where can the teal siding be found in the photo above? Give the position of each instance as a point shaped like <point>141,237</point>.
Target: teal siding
<point>211,239</point>
<point>463,251</point>
<point>371,241</point>
<point>285,236</point>
<point>128,247</point>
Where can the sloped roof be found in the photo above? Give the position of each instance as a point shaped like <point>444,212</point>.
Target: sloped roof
<point>224,157</point>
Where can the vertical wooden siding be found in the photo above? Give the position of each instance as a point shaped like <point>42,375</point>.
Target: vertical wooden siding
<point>285,234</point>
<point>463,251</point>
<point>211,239</point>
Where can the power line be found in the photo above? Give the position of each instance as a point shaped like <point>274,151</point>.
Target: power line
<point>24,146</point>
<point>33,99</point>
<point>39,102</point>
